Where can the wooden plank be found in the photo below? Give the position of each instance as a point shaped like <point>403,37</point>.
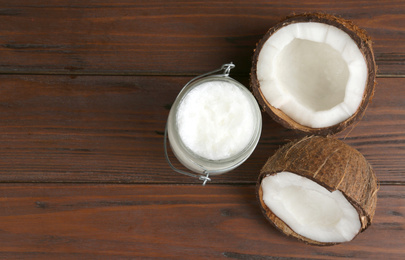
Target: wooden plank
<point>170,37</point>
<point>110,129</point>
<point>85,221</point>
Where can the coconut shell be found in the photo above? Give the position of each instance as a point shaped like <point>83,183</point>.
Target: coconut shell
<point>363,42</point>
<point>330,163</point>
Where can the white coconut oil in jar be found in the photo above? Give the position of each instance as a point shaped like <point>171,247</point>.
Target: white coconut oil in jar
<point>214,124</point>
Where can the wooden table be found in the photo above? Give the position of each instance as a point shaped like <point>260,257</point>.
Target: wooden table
<point>85,92</point>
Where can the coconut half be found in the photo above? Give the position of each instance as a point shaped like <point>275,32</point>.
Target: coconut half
<point>314,73</point>
<point>319,190</point>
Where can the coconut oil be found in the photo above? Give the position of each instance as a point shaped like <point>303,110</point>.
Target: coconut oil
<point>214,125</point>
<point>214,120</point>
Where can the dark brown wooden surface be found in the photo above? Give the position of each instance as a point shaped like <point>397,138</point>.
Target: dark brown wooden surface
<point>170,37</point>
<point>85,90</point>
<point>169,221</point>
<point>110,129</point>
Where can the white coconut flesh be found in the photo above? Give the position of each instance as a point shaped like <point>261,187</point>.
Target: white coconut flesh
<point>313,72</point>
<point>309,209</point>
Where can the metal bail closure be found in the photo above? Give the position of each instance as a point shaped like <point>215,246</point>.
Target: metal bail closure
<point>226,68</point>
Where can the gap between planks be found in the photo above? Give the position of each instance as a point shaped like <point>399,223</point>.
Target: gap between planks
<point>382,183</point>
<point>140,73</point>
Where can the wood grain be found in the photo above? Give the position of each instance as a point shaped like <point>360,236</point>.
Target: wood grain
<point>171,222</point>
<point>110,129</point>
<point>168,37</point>
<point>85,91</point>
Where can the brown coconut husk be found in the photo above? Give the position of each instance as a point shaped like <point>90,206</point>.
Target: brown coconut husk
<point>332,164</point>
<point>363,42</point>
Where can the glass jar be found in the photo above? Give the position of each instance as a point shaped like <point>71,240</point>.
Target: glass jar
<point>195,162</point>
